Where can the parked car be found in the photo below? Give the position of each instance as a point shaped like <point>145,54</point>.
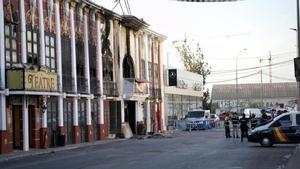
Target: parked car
<point>222,116</point>
<point>195,120</point>
<point>282,129</point>
<point>214,119</point>
<point>249,111</point>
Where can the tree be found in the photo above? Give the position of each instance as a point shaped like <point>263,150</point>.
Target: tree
<point>214,107</point>
<point>206,101</point>
<point>193,61</point>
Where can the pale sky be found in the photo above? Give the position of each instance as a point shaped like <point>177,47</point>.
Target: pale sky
<point>223,29</point>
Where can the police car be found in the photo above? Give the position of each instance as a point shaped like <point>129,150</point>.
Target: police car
<point>282,129</point>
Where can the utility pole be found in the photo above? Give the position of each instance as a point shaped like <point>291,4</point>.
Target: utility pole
<point>261,85</point>
<point>270,67</point>
<point>236,80</point>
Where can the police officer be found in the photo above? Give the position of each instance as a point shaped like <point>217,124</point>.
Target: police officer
<point>253,121</point>
<point>244,127</point>
<point>235,124</point>
<point>264,117</point>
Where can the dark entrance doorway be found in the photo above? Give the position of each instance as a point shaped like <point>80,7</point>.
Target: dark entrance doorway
<point>17,127</point>
<point>52,122</point>
<point>81,119</point>
<point>68,120</point>
<point>114,117</point>
<point>130,115</point>
<point>33,123</point>
<point>94,112</point>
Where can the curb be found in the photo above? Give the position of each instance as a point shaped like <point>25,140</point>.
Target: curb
<point>32,153</point>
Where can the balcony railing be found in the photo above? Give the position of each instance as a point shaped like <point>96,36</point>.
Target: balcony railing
<point>82,84</point>
<point>132,86</point>
<point>110,89</point>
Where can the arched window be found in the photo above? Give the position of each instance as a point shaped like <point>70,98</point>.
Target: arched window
<point>10,35</point>
<point>128,68</point>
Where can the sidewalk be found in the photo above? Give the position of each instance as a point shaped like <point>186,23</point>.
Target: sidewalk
<point>294,162</point>
<point>33,152</point>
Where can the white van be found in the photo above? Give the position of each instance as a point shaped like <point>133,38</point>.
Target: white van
<point>249,111</point>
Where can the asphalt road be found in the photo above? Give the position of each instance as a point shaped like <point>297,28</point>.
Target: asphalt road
<point>183,150</point>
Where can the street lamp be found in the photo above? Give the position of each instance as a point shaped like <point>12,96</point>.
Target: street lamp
<point>236,78</point>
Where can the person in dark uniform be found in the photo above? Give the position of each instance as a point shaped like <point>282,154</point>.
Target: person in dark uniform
<point>244,127</point>
<point>264,117</point>
<point>227,126</point>
<point>253,121</point>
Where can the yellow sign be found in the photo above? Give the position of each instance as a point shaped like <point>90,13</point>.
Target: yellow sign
<point>31,80</point>
<point>40,80</point>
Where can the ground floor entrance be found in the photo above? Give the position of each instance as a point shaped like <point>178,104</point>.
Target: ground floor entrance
<point>17,127</point>
<point>130,114</point>
<point>82,118</point>
<point>114,117</point>
<point>68,119</point>
<point>16,121</point>
<point>52,114</point>
<point>94,114</point>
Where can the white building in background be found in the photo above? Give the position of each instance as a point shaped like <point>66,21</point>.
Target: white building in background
<point>272,95</point>
<point>183,92</point>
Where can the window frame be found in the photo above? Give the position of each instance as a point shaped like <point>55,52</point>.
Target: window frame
<point>283,121</point>
<point>34,56</point>
<point>10,39</point>
<point>52,53</point>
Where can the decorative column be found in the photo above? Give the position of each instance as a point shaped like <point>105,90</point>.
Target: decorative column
<point>101,127</point>
<point>60,128</point>
<point>88,132</point>
<point>121,80</point>
<point>25,124</point>
<point>23,32</point>
<point>44,129</point>
<point>136,53</point>
<point>42,33</point>
<point>76,134</point>
<point>147,106</point>
<point>161,84</point>
<point>2,71</point>
<point>5,147</point>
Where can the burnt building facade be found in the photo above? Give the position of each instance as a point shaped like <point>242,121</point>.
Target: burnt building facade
<point>72,72</point>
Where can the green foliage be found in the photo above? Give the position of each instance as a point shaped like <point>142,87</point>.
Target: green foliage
<point>206,101</point>
<point>193,60</point>
<point>214,107</point>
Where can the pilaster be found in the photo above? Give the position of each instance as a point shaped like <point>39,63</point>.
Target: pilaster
<point>41,33</point>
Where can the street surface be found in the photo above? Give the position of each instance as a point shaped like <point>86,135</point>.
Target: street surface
<point>207,149</point>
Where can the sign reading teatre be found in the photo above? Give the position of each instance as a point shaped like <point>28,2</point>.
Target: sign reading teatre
<point>40,80</point>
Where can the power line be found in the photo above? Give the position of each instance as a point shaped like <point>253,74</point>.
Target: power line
<point>233,79</point>
<point>249,58</point>
<point>128,6</point>
<point>206,0</point>
<point>250,68</point>
<point>117,3</point>
<point>279,77</point>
